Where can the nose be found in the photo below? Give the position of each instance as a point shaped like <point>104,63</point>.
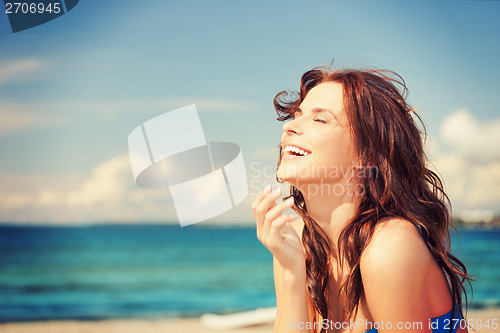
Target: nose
<point>292,127</point>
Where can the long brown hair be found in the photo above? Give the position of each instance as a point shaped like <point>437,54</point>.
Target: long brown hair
<point>386,136</point>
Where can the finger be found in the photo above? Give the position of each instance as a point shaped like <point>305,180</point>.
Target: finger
<point>275,236</point>
<point>256,203</point>
<point>267,239</point>
<point>266,204</point>
<point>260,196</point>
<point>278,209</point>
<point>275,212</point>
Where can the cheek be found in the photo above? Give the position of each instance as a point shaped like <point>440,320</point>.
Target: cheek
<point>337,149</point>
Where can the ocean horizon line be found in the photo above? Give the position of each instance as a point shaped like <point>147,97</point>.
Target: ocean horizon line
<point>212,224</point>
<point>125,224</point>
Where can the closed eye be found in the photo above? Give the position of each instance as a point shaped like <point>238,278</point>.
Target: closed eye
<point>319,120</point>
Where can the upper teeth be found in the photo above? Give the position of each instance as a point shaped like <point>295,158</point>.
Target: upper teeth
<point>296,150</point>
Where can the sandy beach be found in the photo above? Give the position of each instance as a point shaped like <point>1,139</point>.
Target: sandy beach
<point>185,325</point>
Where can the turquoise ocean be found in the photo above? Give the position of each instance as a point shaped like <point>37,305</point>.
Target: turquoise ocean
<point>157,271</point>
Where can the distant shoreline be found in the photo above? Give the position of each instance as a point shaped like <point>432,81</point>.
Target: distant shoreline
<point>495,224</point>
<point>188,325</point>
<point>457,223</point>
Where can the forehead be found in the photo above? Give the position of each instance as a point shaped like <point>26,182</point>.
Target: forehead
<point>326,96</point>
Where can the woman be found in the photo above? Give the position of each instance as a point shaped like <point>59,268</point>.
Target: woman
<point>370,251</point>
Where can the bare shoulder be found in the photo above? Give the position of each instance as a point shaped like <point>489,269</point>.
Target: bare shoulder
<point>395,245</point>
<point>394,269</point>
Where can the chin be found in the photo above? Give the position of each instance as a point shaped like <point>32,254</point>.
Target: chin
<point>290,177</point>
<point>286,175</point>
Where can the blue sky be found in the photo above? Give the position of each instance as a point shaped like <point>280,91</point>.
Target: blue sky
<point>72,90</point>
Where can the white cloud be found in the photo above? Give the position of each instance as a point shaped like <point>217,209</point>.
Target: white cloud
<point>467,156</point>
<point>106,184</point>
<point>474,140</point>
<point>107,194</point>
<point>20,70</point>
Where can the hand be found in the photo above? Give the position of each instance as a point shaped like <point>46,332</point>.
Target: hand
<point>276,233</point>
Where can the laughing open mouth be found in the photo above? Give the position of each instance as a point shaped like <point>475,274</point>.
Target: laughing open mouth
<point>296,151</point>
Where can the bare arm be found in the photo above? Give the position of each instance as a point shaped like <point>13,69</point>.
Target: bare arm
<point>275,232</point>
<point>291,301</point>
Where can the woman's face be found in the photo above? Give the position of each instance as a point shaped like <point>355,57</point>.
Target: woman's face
<point>317,144</point>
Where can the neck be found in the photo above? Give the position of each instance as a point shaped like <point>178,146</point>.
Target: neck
<point>329,208</point>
